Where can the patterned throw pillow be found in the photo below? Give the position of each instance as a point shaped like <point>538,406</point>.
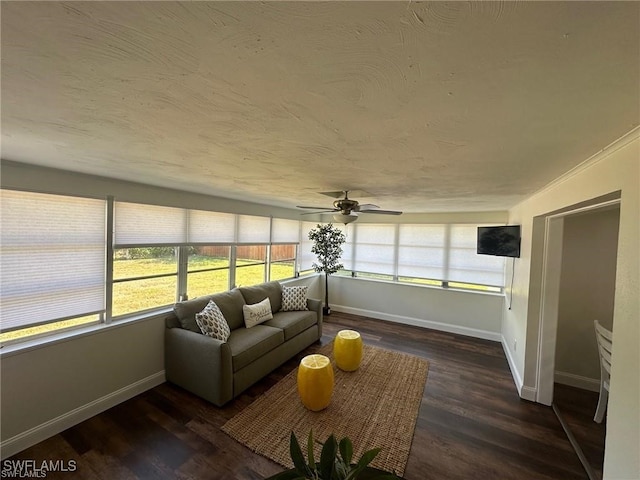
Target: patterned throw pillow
<point>294,298</point>
<point>212,322</point>
<point>257,313</point>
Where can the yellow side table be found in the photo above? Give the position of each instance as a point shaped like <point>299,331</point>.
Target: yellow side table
<point>315,382</point>
<point>347,350</point>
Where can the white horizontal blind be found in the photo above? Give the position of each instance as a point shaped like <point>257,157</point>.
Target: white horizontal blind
<point>211,227</point>
<point>375,248</point>
<point>305,257</point>
<point>348,246</point>
<point>285,231</point>
<point>252,229</point>
<point>141,224</point>
<point>465,265</point>
<point>421,251</point>
<point>52,251</point>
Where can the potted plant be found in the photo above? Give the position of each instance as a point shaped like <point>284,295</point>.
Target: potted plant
<point>335,462</point>
<point>327,246</point>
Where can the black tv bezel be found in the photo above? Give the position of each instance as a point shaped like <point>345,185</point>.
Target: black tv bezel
<point>513,230</point>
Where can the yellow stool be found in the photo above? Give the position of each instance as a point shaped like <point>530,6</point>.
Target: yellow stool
<point>315,382</point>
<point>347,350</point>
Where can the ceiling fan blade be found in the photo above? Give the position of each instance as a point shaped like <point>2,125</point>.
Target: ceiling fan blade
<point>367,206</point>
<point>336,194</point>
<point>381,212</point>
<point>342,193</point>
<point>321,211</point>
<point>314,208</point>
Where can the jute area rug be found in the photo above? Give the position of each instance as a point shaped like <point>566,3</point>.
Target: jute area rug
<point>376,407</point>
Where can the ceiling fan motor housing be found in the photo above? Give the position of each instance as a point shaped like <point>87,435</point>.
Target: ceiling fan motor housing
<point>345,205</point>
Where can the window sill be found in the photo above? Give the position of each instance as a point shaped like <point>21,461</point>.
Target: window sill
<point>20,347</point>
<point>420,285</point>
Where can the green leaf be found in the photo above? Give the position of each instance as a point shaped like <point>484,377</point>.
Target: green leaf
<point>367,457</point>
<point>346,450</point>
<point>365,460</point>
<point>292,474</point>
<point>310,456</point>
<point>328,458</point>
<point>297,457</point>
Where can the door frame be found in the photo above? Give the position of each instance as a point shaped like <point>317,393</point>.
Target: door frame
<point>550,297</point>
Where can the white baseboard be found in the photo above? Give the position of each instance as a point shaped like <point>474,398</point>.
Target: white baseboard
<point>527,393</point>
<point>578,381</point>
<point>418,322</point>
<point>56,425</point>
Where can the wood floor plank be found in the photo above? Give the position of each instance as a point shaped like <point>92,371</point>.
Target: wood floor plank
<point>471,424</point>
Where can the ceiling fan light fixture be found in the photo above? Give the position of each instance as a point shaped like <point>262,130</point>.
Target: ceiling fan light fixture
<point>341,218</point>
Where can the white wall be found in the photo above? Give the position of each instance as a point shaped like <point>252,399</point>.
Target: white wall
<point>467,313</point>
<point>617,168</point>
<point>52,387</point>
<point>587,289</point>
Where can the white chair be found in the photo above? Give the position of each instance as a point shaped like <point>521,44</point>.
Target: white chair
<point>604,349</point>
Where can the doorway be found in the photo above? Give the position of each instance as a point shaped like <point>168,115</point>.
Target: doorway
<point>578,286</point>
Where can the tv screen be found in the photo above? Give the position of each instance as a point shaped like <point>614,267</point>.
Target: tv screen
<point>502,241</point>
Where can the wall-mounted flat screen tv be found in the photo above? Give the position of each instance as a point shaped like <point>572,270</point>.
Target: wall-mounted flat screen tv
<point>502,241</point>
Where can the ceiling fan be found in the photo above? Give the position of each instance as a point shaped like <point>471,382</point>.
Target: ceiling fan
<point>346,210</point>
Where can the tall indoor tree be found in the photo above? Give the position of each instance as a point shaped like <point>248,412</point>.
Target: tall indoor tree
<point>327,246</point>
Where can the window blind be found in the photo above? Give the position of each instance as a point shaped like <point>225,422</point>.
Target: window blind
<point>211,227</point>
<point>465,265</point>
<point>142,224</point>
<point>375,252</point>
<point>285,231</point>
<point>348,246</point>
<point>52,251</point>
<point>421,251</point>
<point>305,257</point>
<point>252,229</point>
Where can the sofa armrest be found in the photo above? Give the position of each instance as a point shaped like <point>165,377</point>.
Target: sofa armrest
<point>316,306</point>
<point>200,364</point>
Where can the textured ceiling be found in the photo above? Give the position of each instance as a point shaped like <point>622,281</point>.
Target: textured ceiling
<point>433,106</point>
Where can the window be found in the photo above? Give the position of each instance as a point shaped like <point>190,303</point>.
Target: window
<point>375,249</point>
<point>283,262</point>
<point>208,270</point>
<point>421,253</point>
<point>427,254</point>
<point>305,257</point>
<point>251,262</point>
<point>52,251</point>
<point>145,256</point>
<point>465,266</point>
<point>209,266</point>
<point>285,234</point>
<point>144,278</point>
<point>55,274</point>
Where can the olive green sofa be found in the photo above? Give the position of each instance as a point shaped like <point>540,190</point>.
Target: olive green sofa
<point>219,371</point>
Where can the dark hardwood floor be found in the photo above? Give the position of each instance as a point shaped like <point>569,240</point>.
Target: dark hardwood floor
<point>472,423</point>
<point>577,407</point>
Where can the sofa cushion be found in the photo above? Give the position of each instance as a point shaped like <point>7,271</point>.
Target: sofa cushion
<point>293,323</point>
<point>257,313</point>
<point>212,323</point>
<point>257,293</point>
<point>294,298</point>
<point>249,344</point>
<point>229,302</point>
